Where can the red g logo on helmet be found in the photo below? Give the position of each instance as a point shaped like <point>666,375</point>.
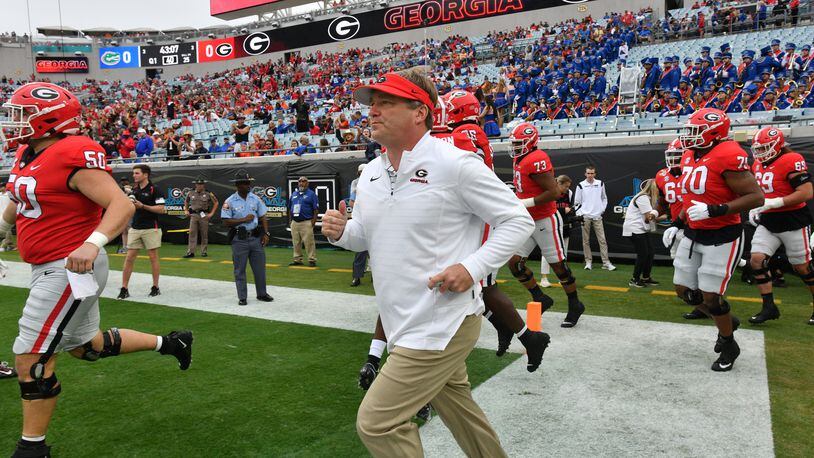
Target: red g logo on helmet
<point>712,117</point>
<point>44,93</point>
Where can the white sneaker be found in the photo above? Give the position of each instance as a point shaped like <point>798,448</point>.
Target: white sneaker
<point>587,266</point>
<point>544,283</point>
<point>609,267</point>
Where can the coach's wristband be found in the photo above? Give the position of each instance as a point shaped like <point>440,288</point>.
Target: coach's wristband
<point>528,202</point>
<point>717,210</point>
<point>98,239</point>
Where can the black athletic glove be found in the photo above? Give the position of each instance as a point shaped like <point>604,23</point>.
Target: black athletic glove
<point>369,372</point>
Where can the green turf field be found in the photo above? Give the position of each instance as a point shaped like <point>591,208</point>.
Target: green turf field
<point>255,388</point>
<point>789,340</point>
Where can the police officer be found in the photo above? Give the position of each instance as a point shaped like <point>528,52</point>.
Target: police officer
<point>303,210</point>
<point>200,205</point>
<point>245,214</point>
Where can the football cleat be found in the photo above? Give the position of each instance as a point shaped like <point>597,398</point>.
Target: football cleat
<point>573,315</point>
<point>123,294</point>
<point>32,451</point>
<point>154,291</point>
<point>811,320</point>
<point>729,353</point>
<point>696,314</point>
<point>179,344</point>
<point>650,282</point>
<point>504,340</point>
<point>535,344</point>
<point>767,313</point>
<point>6,371</point>
<point>736,323</point>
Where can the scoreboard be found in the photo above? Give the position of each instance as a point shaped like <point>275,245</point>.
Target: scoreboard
<point>168,55</point>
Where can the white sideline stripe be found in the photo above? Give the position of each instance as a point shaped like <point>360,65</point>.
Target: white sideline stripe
<point>609,387</point>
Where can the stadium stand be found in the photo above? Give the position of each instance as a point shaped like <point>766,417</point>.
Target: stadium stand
<point>526,73</point>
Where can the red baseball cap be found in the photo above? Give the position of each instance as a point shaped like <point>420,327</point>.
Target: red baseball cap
<point>393,84</point>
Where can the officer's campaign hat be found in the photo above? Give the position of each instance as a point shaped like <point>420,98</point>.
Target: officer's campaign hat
<point>242,176</point>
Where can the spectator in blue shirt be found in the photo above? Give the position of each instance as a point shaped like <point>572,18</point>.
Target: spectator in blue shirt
<point>145,144</point>
<point>305,147</point>
<point>303,208</point>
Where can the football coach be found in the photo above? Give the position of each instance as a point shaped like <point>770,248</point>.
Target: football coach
<point>419,212</point>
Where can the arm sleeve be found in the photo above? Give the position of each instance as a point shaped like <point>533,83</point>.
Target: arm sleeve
<point>578,200</point>
<point>483,194</point>
<point>158,195</point>
<point>604,198</point>
<point>226,210</point>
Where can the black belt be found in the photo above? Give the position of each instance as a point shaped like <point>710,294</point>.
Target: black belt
<point>301,220</point>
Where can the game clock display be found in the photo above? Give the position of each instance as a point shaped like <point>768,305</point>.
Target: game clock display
<point>167,55</point>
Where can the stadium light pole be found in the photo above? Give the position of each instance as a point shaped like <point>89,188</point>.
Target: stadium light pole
<point>30,38</point>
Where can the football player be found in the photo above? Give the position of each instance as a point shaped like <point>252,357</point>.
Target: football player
<point>669,182</point>
<point>60,185</point>
<point>784,217</point>
<point>536,187</point>
<point>717,185</point>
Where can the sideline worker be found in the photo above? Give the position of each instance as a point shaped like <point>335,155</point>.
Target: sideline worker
<point>427,261</point>
<point>200,205</point>
<point>303,210</point>
<point>245,214</point>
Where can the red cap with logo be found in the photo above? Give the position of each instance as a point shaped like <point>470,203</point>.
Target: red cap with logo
<point>394,84</point>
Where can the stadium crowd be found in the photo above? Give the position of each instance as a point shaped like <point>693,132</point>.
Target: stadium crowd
<point>544,72</point>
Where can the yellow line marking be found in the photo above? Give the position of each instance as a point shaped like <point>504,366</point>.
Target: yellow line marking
<point>272,265</point>
<point>117,255</point>
<point>226,262</point>
<point>143,257</point>
<point>750,299</point>
<point>662,292</point>
<point>500,282</point>
<point>608,288</point>
<point>344,271</point>
<point>200,260</point>
<point>168,259</point>
<point>303,267</point>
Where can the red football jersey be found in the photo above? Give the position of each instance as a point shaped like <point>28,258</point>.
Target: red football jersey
<point>702,181</point>
<point>534,163</point>
<point>670,187</point>
<point>481,141</point>
<point>53,220</point>
<point>773,177</point>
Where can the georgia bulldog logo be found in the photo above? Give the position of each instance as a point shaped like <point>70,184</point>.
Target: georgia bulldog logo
<point>44,93</point>
<point>712,117</point>
<point>528,131</point>
<point>772,133</point>
<point>382,79</point>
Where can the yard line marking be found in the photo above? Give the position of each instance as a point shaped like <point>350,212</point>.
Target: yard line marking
<point>344,271</point>
<point>616,289</point>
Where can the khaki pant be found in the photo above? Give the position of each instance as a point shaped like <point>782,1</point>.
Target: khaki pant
<point>303,233</point>
<point>599,229</point>
<point>198,227</point>
<point>410,379</point>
